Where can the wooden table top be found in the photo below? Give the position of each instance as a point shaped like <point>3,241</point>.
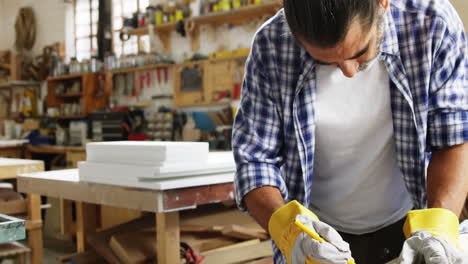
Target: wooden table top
<point>67,185</point>
<point>51,149</point>
<point>10,168</point>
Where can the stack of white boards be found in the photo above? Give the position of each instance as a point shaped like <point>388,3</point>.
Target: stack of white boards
<point>153,164</point>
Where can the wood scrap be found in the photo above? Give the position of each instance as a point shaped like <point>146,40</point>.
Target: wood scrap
<point>134,247</point>
<point>201,229</point>
<point>245,233</point>
<point>204,243</point>
<point>236,245</point>
<point>100,241</point>
<point>240,254</point>
<point>218,215</point>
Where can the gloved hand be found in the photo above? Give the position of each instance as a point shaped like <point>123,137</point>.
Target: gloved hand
<point>433,238</point>
<point>302,238</point>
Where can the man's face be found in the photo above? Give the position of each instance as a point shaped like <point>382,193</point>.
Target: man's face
<point>351,55</point>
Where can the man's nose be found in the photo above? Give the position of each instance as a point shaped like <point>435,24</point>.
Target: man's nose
<point>349,68</point>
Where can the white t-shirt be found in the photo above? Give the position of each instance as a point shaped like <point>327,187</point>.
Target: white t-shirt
<point>357,186</point>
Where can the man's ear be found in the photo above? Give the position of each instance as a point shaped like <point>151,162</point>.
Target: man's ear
<point>384,4</point>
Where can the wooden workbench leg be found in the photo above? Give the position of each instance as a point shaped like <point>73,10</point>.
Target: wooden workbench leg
<point>35,231</point>
<point>168,237</point>
<point>85,223</point>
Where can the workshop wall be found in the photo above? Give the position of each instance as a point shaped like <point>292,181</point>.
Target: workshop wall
<point>462,9</point>
<point>54,22</point>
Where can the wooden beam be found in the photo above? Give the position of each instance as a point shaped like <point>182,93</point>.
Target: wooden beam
<point>168,237</point>
<point>240,254</point>
<point>35,234</point>
<point>86,217</point>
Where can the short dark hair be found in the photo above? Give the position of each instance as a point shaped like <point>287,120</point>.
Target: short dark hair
<point>326,22</point>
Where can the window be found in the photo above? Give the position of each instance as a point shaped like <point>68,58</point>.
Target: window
<point>121,9</point>
<point>86,26</point>
<point>86,21</point>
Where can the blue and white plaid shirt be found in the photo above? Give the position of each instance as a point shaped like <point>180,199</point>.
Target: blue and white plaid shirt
<point>425,53</point>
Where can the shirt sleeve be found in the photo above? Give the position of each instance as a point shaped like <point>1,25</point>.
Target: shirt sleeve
<point>448,95</point>
<point>257,133</point>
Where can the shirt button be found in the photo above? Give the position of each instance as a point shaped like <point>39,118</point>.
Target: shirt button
<point>385,254</point>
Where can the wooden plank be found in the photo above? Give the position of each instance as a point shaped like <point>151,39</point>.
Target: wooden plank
<point>142,68</point>
<point>218,215</point>
<point>14,207</point>
<point>237,16</point>
<point>168,237</point>
<point>191,197</point>
<point>240,232</point>
<point>86,223</point>
<point>66,217</point>
<point>240,254</point>
<point>35,234</point>
<point>65,77</point>
<point>100,241</point>
<point>65,184</point>
<point>203,242</point>
<point>10,168</point>
<point>134,247</point>
<point>12,249</point>
<point>201,229</point>
<point>113,216</point>
<point>236,245</point>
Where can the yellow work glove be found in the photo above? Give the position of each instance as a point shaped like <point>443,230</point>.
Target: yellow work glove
<point>432,238</point>
<point>302,238</point>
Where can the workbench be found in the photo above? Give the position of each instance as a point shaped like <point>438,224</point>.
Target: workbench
<point>71,154</point>
<point>31,206</point>
<point>166,200</point>
<point>12,148</point>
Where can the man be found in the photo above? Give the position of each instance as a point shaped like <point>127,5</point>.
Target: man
<point>358,111</point>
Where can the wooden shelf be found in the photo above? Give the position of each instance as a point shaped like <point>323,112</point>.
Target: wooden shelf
<point>141,31</point>
<point>19,83</point>
<point>141,68</point>
<point>65,77</point>
<point>70,117</point>
<point>240,15</point>
<point>69,95</point>
<point>234,17</point>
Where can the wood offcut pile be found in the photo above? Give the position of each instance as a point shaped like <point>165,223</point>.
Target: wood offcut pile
<point>220,234</point>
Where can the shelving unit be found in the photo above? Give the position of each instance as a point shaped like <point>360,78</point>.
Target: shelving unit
<point>71,117</point>
<point>91,95</point>
<point>70,95</point>
<point>8,92</point>
<point>234,17</point>
<point>238,16</point>
<point>142,68</point>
